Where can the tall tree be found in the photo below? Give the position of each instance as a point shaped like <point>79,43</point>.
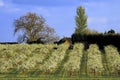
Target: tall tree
<point>32,27</point>
<point>81,20</point>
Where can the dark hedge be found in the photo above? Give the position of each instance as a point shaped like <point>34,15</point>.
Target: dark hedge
<point>100,39</point>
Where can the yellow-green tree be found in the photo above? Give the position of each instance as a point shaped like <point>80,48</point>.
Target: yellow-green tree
<point>81,20</point>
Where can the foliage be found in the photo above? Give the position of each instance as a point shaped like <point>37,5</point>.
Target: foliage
<point>99,39</point>
<point>56,57</point>
<point>113,58</point>
<point>88,31</point>
<point>64,40</point>
<point>81,20</point>
<point>94,63</point>
<point>111,31</point>
<point>74,60</point>
<point>44,60</point>
<point>22,56</point>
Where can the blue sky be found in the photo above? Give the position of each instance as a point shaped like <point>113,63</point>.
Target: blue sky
<point>103,15</point>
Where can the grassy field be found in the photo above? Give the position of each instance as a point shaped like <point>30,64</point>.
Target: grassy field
<point>57,62</point>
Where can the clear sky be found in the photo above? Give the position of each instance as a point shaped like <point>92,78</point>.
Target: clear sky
<point>103,15</point>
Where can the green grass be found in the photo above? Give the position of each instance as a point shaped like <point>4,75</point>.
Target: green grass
<point>59,78</point>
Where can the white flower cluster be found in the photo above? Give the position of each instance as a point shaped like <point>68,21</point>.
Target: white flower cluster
<point>22,56</point>
<point>56,57</point>
<point>74,60</point>
<point>94,60</point>
<point>113,58</point>
<point>5,66</point>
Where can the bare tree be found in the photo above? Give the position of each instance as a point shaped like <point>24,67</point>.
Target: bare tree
<point>48,35</point>
<point>33,27</point>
